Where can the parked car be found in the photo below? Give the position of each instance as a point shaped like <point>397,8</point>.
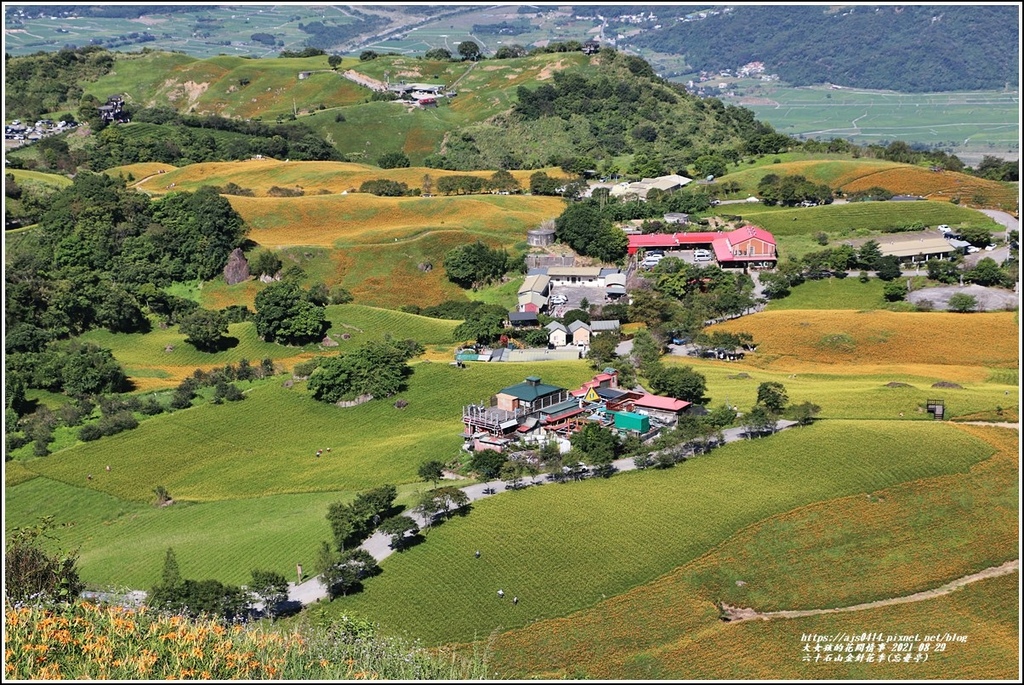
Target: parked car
<point>558,299</point>
<point>702,255</point>
<point>943,227</point>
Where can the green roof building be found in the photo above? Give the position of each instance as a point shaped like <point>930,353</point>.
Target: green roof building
<point>531,395</point>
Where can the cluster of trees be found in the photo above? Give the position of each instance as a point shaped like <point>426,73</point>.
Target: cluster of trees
<point>864,48</point>
<point>344,567</point>
<point>588,231</point>
<point>792,190</point>
<point>210,597</point>
<point>102,253</point>
<point>384,187</point>
<point>328,34</point>
<point>52,81</point>
<point>376,368</point>
<point>287,314</point>
<point>620,108</point>
<point>25,203</point>
<point>475,264</point>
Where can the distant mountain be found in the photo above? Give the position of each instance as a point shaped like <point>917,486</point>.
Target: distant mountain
<point>903,48</point>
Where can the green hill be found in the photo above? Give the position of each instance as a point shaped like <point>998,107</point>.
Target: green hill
<point>914,49</point>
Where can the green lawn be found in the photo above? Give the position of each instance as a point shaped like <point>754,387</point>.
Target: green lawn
<point>833,293</point>
<point>851,218</point>
<point>564,548</point>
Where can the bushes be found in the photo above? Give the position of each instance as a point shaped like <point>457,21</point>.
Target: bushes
<point>384,188</point>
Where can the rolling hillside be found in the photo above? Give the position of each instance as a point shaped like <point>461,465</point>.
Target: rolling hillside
<point>853,175</point>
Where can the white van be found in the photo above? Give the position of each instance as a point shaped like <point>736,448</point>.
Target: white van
<point>702,255</point>
<point>651,261</point>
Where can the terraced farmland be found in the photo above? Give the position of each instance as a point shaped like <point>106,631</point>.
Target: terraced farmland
<point>587,534</point>
<point>670,629</point>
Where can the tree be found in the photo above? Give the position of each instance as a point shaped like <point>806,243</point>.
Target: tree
<point>377,368</point>
<point>400,528</point>
<point>869,254</point>
<point>449,499</point>
<point>962,303</point>
<point>804,413</point>
<point>888,268</point>
<point>894,291</point>
<point>367,55</point>
<point>469,50</point>
<point>439,54</point>
<point>431,471</point>
<point>986,272</point>
<point>646,351</point>
<point>474,263</point>
<point>171,575</point>
<point>393,160</point>
<point>681,382</point>
<point>283,314</point>
<point>30,572</point>
<point>334,61</point>
<point>596,443</point>
<point>204,329</point>
<point>344,523</point>
<point>271,587</point>
<point>772,396</point>
<point>487,463</point>
<point>758,420</point>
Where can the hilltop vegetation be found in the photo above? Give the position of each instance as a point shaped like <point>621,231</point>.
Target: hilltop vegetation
<point>911,48</point>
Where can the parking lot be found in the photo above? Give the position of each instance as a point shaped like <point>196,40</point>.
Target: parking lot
<point>687,256</point>
<point>574,295</point>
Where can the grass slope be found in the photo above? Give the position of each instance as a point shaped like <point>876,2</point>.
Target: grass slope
<point>267,443</point>
<point>852,175</point>
<point>563,548</point>
<point>163,354</point>
<point>842,552</point>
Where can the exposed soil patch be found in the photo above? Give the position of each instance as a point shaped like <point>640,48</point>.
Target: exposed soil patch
<point>989,299</point>
<point>947,384</point>
<point>897,384</point>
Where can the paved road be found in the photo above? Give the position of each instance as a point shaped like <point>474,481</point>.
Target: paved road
<point>1003,218</point>
<point>378,544</point>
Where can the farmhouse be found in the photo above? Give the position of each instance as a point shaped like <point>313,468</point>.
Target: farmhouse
<point>580,332</point>
<point>738,248</point>
<point>533,411</point>
<point>557,334</point>
<point>665,409</point>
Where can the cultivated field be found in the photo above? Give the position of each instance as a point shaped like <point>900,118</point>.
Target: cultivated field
<point>976,122</point>
<point>313,178</point>
<point>590,547</point>
<point>853,175</point>
<point>669,628</point>
<point>818,339</point>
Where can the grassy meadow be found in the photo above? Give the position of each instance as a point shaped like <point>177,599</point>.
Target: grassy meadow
<point>669,628</point>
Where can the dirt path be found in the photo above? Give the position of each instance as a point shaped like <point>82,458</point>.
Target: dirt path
<point>735,614</point>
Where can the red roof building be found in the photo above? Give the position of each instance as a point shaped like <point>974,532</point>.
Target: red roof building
<point>734,248</point>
